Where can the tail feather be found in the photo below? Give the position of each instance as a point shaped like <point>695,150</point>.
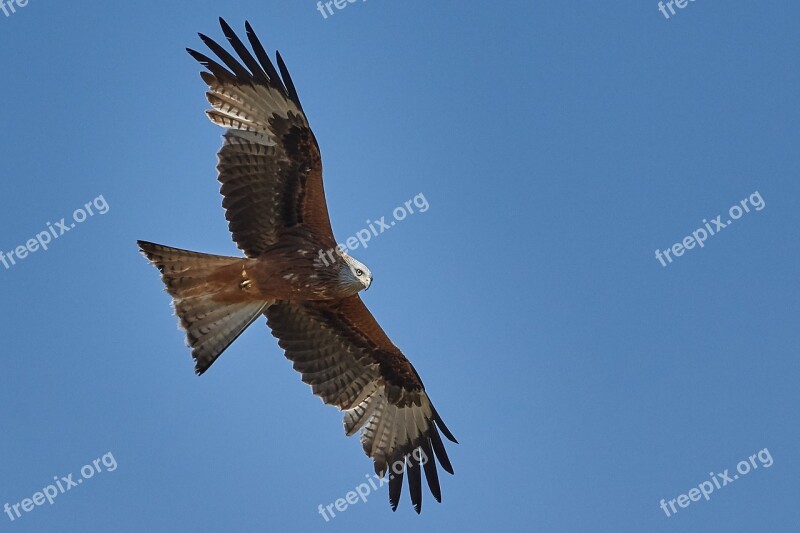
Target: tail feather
<point>209,332</point>
<point>205,292</point>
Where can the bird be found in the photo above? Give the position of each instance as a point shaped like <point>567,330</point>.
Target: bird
<point>293,273</point>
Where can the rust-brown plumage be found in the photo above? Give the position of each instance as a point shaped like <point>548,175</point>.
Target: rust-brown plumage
<point>271,174</point>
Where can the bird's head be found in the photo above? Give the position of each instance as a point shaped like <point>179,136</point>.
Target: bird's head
<point>355,274</point>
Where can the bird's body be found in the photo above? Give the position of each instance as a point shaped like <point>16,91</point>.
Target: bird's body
<point>293,273</point>
<point>289,270</point>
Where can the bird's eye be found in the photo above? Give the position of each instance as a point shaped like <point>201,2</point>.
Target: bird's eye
<point>359,272</point>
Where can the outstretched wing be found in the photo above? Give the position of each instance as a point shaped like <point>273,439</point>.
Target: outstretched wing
<point>269,165</point>
<point>348,360</point>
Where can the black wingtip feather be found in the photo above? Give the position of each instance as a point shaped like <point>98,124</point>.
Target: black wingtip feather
<point>422,453</point>
<point>431,474</point>
<point>287,79</point>
<point>263,58</point>
<point>439,450</point>
<point>241,73</point>
<point>250,62</point>
<point>442,426</point>
<point>246,69</point>
<point>215,68</point>
<point>395,488</point>
<point>414,482</point>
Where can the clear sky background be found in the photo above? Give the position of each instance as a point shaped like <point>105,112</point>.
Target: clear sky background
<point>559,144</point>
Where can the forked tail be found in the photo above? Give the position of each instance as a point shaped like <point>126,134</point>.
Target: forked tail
<point>207,296</point>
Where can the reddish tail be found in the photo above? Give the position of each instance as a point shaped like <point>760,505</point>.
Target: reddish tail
<point>206,294</point>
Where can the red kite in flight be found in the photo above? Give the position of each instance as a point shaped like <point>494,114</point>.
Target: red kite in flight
<point>271,175</point>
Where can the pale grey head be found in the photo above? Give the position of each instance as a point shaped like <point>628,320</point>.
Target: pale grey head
<point>354,274</point>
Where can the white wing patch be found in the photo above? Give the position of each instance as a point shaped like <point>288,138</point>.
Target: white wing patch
<point>245,108</point>
<point>387,427</point>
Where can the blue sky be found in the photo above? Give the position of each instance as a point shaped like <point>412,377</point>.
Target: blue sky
<point>558,144</point>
